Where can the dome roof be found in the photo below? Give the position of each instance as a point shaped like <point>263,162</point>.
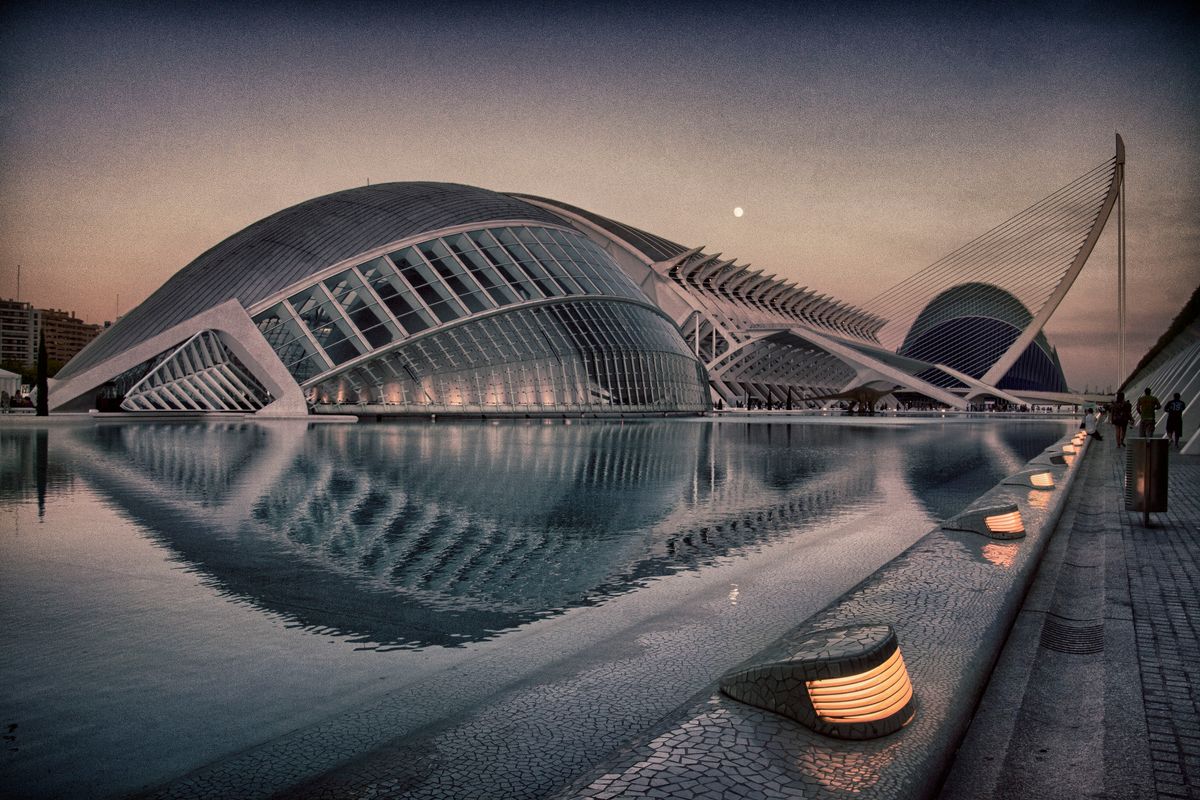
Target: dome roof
<point>275,252</point>
<point>653,247</point>
<point>970,326</point>
<point>969,300</point>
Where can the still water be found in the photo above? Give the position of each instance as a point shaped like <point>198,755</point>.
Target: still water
<point>172,594</point>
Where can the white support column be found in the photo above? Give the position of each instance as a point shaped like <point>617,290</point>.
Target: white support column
<point>1006,361</point>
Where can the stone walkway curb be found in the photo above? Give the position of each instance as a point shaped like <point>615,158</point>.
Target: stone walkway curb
<point>1117,714</point>
<point>952,598</point>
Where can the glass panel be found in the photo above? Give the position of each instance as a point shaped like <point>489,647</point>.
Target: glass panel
<point>411,266</point>
<point>527,263</point>
<point>455,276</point>
<point>422,278</point>
<point>500,259</point>
<point>556,271</point>
<point>446,311</point>
<point>482,269</point>
<point>289,342</point>
<point>416,321</point>
<point>326,325</point>
<point>348,291</point>
<point>396,296</point>
<point>569,269</point>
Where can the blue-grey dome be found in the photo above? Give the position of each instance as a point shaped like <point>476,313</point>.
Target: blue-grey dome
<point>970,326</point>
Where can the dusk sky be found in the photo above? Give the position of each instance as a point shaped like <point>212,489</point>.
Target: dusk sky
<point>863,143</point>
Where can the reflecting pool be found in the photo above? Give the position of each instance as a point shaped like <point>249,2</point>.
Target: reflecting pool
<point>174,593</point>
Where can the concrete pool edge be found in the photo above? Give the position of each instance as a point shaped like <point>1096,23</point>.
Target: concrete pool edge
<point>952,630</point>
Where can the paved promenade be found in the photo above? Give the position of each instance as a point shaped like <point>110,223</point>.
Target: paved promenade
<point>1097,692</point>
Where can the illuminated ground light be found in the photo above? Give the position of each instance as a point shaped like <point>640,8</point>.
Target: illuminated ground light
<point>998,522</point>
<point>1068,448</point>
<point>1035,479</point>
<point>849,683</point>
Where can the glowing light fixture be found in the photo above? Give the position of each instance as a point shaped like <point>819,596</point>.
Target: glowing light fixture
<point>998,522</point>
<point>1036,479</point>
<point>1069,449</point>
<point>849,683</point>
<point>1042,480</point>
<point>1007,523</point>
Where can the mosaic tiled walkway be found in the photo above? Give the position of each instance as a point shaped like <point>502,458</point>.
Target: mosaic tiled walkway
<point>1097,693</point>
<point>1164,585</point>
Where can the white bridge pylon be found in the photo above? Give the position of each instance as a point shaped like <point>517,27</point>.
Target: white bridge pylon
<point>1035,256</point>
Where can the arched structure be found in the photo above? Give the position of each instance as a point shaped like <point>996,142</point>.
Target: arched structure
<point>762,340</point>
<point>1033,258</point>
<point>441,298</point>
<point>969,327</point>
<point>395,298</point>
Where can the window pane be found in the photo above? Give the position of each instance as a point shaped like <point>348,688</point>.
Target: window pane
<point>446,312</point>
<point>289,342</point>
<point>500,259</point>
<point>482,270</point>
<point>455,276</point>
<point>326,325</point>
<point>360,307</point>
<point>527,263</point>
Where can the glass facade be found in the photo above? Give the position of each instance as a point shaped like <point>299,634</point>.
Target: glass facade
<point>595,355</point>
<point>560,327</point>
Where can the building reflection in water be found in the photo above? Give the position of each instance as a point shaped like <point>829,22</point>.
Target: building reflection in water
<point>27,470</point>
<point>943,461</point>
<point>407,535</point>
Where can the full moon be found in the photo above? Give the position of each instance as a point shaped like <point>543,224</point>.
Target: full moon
<point>737,212</point>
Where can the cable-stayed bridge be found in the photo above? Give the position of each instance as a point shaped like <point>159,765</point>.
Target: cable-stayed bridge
<point>966,328</point>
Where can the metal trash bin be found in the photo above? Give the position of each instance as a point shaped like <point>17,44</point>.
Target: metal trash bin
<point>1146,475</point>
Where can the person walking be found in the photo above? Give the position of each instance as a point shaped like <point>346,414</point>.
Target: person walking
<point>1120,414</point>
<point>1174,409</point>
<point>1147,404</point>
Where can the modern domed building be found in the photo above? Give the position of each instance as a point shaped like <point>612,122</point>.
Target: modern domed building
<point>439,298</point>
<point>394,298</point>
<point>970,326</point>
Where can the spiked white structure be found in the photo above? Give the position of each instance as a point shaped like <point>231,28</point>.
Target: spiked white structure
<point>200,375</point>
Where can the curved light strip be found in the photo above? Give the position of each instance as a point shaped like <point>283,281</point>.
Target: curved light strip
<point>869,696</point>
<point>1005,523</point>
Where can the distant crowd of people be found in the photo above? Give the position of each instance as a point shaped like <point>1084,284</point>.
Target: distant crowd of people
<point>1120,415</point>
